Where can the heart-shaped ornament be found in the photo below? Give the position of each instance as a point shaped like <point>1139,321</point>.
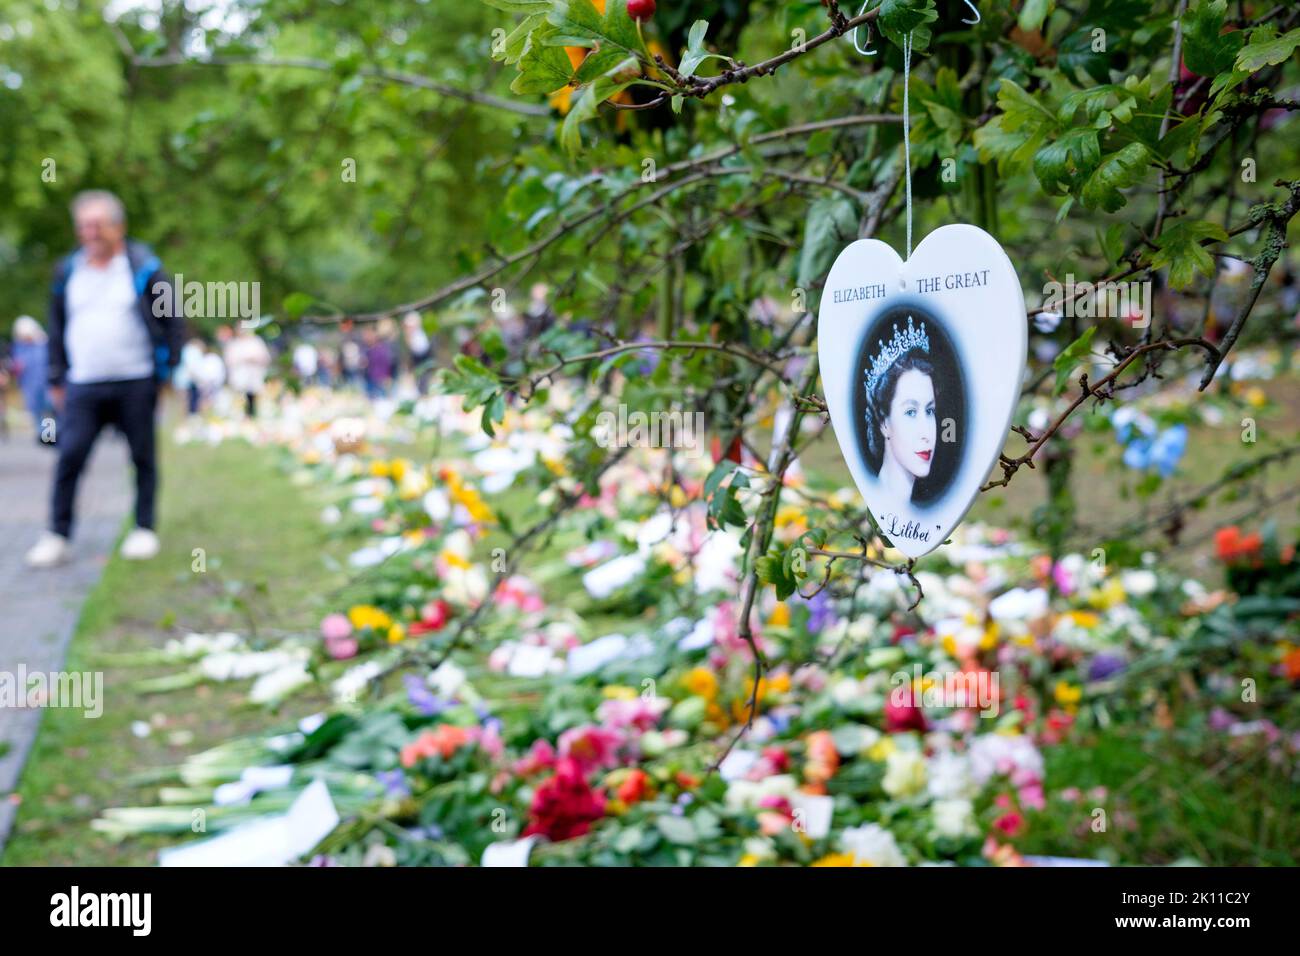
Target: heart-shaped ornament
<point>922,363</point>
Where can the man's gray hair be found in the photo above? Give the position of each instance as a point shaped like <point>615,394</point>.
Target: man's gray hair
<point>90,196</point>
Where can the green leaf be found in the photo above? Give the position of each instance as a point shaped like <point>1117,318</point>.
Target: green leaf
<point>1206,50</point>
<point>579,23</point>
<point>1266,48</point>
<point>1180,248</point>
<point>678,830</point>
<point>542,68</point>
<point>832,221</point>
<point>296,303</point>
<point>901,17</point>
<point>1061,164</point>
<point>695,52</point>
<point>1117,171</point>
<point>584,108</point>
<point>1070,358</point>
<point>1033,13</point>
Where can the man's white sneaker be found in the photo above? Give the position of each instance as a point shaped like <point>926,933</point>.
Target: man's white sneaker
<point>51,550</point>
<point>140,545</point>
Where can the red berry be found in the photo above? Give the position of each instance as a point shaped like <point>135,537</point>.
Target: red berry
<point>640,9</point>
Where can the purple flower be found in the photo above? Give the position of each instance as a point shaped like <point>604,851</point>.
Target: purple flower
<point>821,614</point>
<point>424,700</point>
<point>394,782</point>
<point>1220,719</point>
<point>1104,666</point>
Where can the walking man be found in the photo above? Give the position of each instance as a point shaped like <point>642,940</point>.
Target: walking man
<point>114,334</point>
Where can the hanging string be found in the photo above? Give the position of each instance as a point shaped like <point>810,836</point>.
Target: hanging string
<point>907,117</point>
<point>907,139</point>
<point>854,34</point>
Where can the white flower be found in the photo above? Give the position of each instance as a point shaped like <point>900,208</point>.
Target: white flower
<point>953,818</point>
<point>437,505</point>
<point>1001,753</point>
<point>1138,583</point>
<point>746,794</point>
<point>1018,604</point>
<point>279,683</point>
<point>447,680</point>
<point>348,687</point>
<point>872,845</point>
<point>603,581</point>
<point>950,776</point>
<point>904,774</point>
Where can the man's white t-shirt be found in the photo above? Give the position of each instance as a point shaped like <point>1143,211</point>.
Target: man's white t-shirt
<point>105,339</point>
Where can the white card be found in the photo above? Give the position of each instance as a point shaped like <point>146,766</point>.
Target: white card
<point>530,660</point>
<point>922,363</point>
<point>815,812</point>
<point>508,852</point>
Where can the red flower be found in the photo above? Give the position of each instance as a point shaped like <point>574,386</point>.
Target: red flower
<point>433,617</point>
<point>1012,824</point>
<point>564,805</point>
<point>904,716</point>
<point>633,788</point>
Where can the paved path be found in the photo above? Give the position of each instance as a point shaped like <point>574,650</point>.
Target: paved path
<point>39,609</point>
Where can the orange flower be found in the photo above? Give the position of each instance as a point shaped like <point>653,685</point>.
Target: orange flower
<point>443,741</point>
<point>634,787</point>
<point>1227,542</point>
<point>822,759</point>
<point>1291,665</point>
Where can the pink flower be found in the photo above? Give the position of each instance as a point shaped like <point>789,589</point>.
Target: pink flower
<point>1031,796</point>
<point>637,713</point>
<point>591,747</point>
<point>335,627</point>
<point>540,756</point>
<point>341,648</point>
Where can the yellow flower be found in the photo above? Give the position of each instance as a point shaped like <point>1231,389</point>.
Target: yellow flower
<point>1084,619</point>
<point>456,561</point>
<point>1067,695</point>
<point>701,682</point>
<point>780,615</point>
<point>838,859</point>
<point>748,859</point>
<point>1109,594</point>
<point>396,633</point>
<point>379,468</point>
<point>789,515</point>
<point>882,748</point>
<point>619,692</point>
<point>1256,397</point>
<point>990,638</point>
<point>677,497</point>
<point>366,615</point>
<point>398,468</point>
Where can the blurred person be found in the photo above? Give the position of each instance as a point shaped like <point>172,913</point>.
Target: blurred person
<point>379,361</point>
<point>306,362</point>
<point>419,349</point>
<point>352,358</point>
<point>114,334</point>
<point>247,361</point>
<point>29,361</point>
<point>188,374</point>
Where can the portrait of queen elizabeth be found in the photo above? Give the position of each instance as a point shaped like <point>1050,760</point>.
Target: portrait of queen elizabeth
<point>909,408</point>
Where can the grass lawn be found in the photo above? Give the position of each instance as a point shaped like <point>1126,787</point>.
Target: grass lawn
<point>265,548</point>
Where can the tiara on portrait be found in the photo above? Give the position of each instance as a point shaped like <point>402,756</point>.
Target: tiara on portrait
<point>899,345</point>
